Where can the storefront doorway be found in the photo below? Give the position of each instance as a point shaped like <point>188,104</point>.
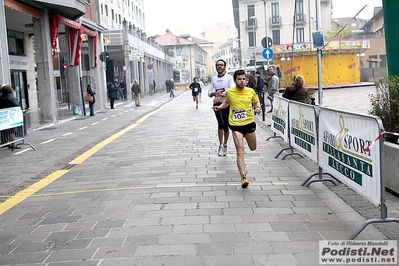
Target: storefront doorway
<point>18,82</point>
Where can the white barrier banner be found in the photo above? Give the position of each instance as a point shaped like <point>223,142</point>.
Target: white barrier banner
<point>342,141</point>
<point>303,129</point>
<point>280,117</point>
<point>11,117</point>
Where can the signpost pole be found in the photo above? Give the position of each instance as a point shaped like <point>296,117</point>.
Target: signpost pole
<point>319,51</point>
<point>267,41</point>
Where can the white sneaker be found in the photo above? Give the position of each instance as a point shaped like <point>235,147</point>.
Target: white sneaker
<point>224,149</point>
<point>220,152</point>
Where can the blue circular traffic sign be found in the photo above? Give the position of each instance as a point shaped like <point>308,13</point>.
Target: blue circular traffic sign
<point>267,53</point>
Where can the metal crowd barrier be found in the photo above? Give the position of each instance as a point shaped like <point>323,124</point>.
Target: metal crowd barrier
<point>339,142</point>
<point>12,128</point>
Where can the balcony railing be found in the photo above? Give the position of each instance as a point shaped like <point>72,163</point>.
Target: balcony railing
<point>251,24</point>
<point>275,21</point>
<point>300,19</point>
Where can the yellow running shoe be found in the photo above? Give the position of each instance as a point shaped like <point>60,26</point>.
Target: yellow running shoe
<point>244,182</point>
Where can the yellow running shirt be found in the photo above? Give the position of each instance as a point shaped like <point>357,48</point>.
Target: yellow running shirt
<point>241,105</point>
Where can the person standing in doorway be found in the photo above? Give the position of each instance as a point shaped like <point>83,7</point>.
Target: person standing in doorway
<point>136,90</point>
<point>112,94</point>
<point>90,91</point>
<point>220,83</point>
<point>172,88</point>
<point>241,100</point>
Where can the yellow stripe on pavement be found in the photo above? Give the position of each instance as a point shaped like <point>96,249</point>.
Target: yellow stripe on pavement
<point>182,185</point>
<point>80,159</point>
<point>22,195</point>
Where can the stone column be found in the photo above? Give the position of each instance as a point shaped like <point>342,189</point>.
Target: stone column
<point>74,79</point>
<point>4,60</point>
<point>45,69</point>
<point>126,49</point>
<point>101,92</point>
<point>30,74</point>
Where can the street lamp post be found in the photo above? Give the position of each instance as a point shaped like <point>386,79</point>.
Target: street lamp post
<point>253,18</point>
<point>360,55</point>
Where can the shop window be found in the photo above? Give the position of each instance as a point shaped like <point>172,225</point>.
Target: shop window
<point>383,62</point>
<point>372,61</point>
<point>15,41</point>
<point>86,62</point>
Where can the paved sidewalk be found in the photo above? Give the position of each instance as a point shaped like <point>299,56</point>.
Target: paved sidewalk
<point>144,186</point>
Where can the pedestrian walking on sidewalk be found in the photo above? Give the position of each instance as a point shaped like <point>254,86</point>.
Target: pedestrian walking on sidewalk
<point>219,85</point>
<point>171,88</point>
<point>136,90</point>
<point>167,84</point>
<point>195,91</point>
<point>91,104</point>
<point>241,100</point>
<point>112,94</point>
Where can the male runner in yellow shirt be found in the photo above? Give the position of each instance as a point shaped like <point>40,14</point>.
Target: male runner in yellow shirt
<point>241,100</point>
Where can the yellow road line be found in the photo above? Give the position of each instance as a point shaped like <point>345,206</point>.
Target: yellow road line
<point>178,185</point>
<point>28,192</point>
<point>80,159</point>
<point>20,196</point>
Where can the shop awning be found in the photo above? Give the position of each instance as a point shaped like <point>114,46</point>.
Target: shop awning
<point>22,8</point>
<point>75,38</point>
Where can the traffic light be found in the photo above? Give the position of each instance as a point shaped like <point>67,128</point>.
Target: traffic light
<point>104,57</point>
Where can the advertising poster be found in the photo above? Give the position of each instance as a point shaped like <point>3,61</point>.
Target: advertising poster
<point>342,141</point>
<point>280,117</point>
<point>11,117</point>
<point>303,128</point>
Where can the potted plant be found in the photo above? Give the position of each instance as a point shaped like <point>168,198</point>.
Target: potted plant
<point>385,105</point>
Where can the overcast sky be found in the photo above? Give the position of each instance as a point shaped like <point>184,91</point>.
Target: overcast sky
<point>349,8</point>
<point>195,16</point>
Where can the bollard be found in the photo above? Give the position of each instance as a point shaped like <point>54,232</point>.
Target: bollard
<point>24,121</point>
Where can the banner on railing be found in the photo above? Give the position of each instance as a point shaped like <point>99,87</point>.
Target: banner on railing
<point>11,117</point>
<point>303,129</point>
<point>343,138</point>
<point>280,117</point>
